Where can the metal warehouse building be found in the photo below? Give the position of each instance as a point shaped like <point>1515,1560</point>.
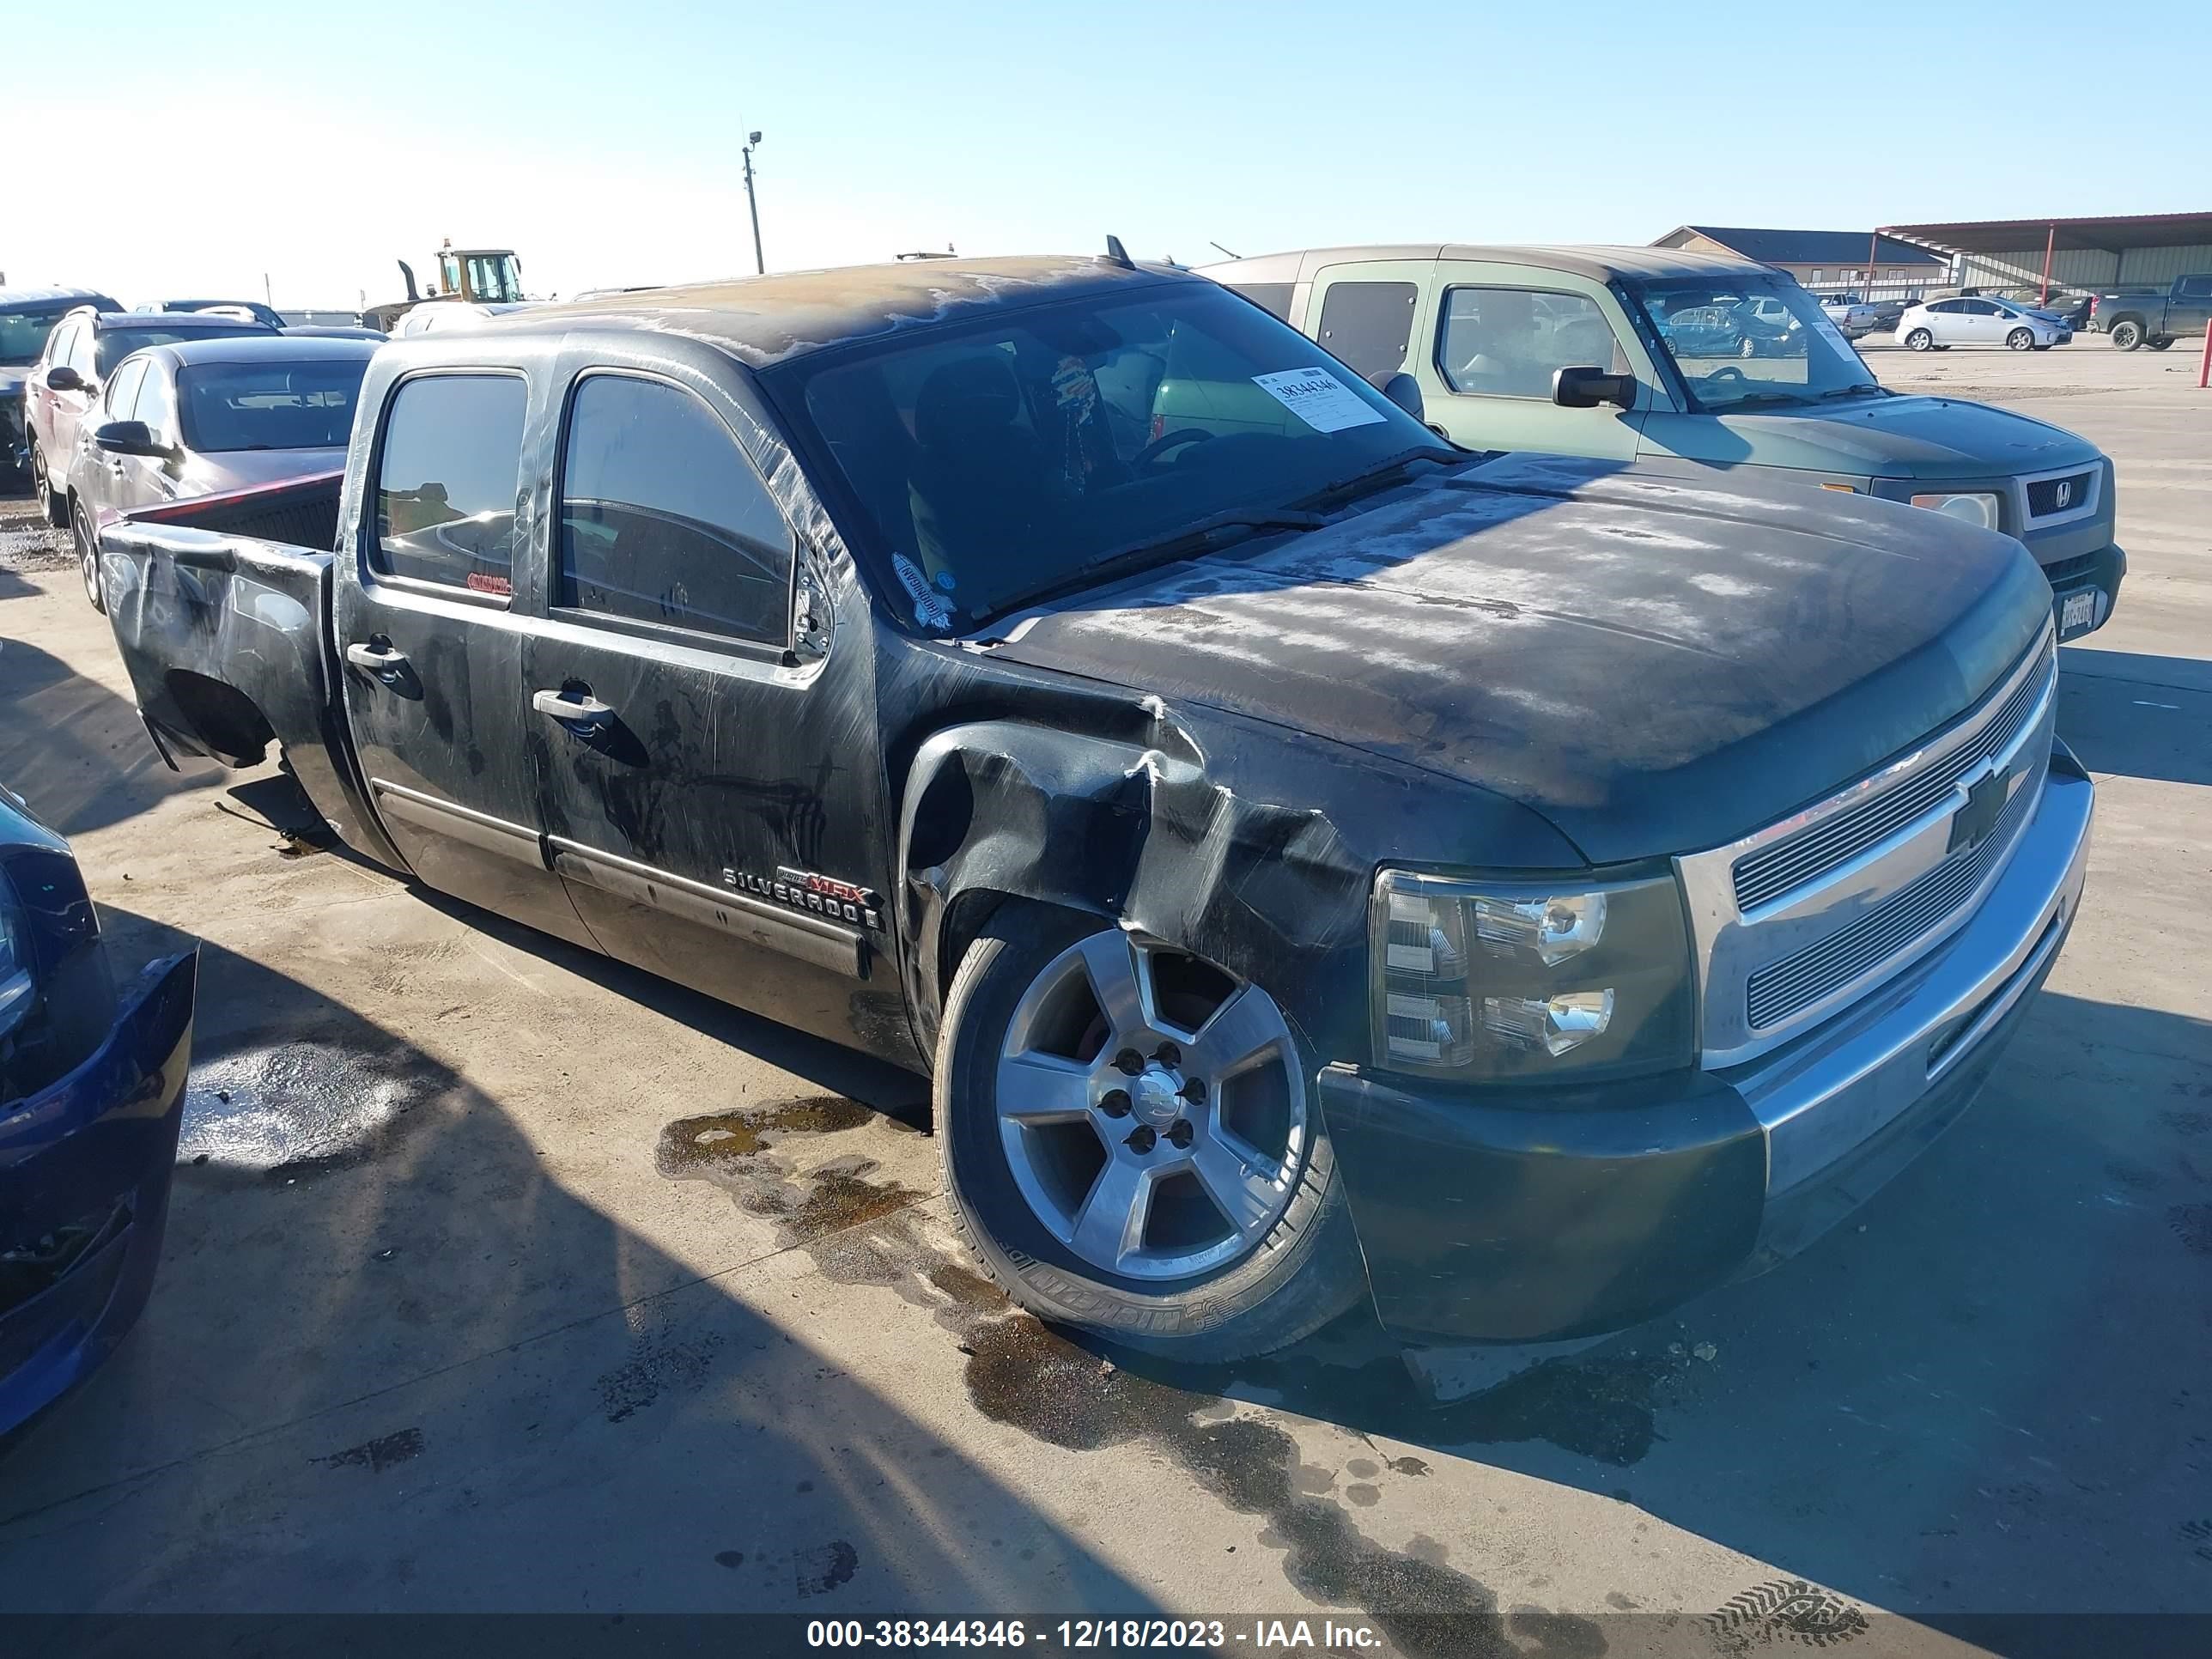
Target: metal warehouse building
<point>2146,248</point>
<point>1886,266</point>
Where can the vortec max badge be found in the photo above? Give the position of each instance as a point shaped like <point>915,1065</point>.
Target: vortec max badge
<point>817,895</point>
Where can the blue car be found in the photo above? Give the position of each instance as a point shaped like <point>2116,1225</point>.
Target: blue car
<point>92,1087</point>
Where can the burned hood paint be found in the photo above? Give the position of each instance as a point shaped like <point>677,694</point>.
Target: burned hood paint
<point>1655,667</point>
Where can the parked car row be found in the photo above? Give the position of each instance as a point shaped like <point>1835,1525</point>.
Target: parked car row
<point>1317,858</point>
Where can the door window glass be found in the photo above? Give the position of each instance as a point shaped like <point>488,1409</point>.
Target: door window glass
<point>1507,341</point>
<point>123,391</point>
<point>157,403</point>
<point>445,480</point>
<point>57,347</point>
<point>1369,325</point>
<point>80,349</point>
<point>663,520</point>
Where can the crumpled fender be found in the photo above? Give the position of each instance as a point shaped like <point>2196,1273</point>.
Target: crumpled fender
<point>1238,843</point>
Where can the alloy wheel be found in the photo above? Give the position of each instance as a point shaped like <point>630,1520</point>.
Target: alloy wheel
<point>1151,1107</point>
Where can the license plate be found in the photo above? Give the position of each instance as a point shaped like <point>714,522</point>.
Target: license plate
<point>2077,613</point>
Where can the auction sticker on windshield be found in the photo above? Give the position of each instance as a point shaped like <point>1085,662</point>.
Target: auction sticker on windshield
<point>1317,397</point>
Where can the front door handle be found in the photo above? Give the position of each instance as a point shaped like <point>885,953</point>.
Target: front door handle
<point>578,711</point>
<point>377,656</point>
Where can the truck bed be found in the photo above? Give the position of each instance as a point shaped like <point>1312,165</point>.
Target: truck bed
<point>221,609</point>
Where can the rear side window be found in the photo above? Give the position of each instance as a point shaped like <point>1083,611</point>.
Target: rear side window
<point>122,391</point>
<point>1369,325</point>
<point>445,480</point>
<point>80,349</point>
<point>663,520</point>
<point>1270,296</point>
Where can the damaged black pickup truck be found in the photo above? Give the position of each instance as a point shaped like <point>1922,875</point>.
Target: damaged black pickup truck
<point>1311,861</point>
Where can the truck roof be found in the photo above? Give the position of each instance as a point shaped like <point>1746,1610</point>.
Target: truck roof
<point>263,349</point>
<point>762,320</point>
<point>1597,261</point>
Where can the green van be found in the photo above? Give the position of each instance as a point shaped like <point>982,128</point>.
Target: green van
<point>1682,363</point>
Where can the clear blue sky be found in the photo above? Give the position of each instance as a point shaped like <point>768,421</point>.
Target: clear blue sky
<point>317,144</point>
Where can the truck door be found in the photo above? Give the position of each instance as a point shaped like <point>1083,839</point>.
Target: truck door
<point>2191,309</point>
<point>711,790</point>
<point>430,653</point>
<point>1500,334</point>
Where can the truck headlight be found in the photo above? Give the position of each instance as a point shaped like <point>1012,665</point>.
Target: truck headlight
<point>1487,981</point>
<point>1975,506</point>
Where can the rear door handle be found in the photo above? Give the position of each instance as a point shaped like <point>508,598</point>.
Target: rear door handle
<point>581,712</point>
<point>380,660</point>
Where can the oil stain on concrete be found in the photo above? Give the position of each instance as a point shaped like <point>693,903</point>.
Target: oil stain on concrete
<point>737,1151</point>
<point>385,1451</point>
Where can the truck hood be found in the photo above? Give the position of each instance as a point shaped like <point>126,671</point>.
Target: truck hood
<point>1931,437</point>
<point>1655,667</point>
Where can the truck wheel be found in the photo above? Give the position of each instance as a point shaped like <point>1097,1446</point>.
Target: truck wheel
<point>2020,339</point>
<point>2159,341</point>
<point>2126,336</point>
<point>87,553</point>
<point>1132,1145</point>
<point>49,503</point>
<point>1919,340</point>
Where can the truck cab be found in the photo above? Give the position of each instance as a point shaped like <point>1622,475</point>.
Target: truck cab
<point>1696,380</point>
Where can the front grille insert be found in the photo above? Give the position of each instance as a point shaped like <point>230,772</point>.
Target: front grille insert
<point>1776,992</point>
<point>1790,863</point>
<point>2045,495</point>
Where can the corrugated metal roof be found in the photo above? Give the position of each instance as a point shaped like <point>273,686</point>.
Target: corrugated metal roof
<point>2110,235</point>
<point>1809,247</point>
<point>1594,260</point>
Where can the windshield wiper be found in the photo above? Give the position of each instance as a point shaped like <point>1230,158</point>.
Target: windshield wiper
<point>1203,536</point>
<point>1851,391</point>
<point>1383,475</point>
<point>1759,400</point>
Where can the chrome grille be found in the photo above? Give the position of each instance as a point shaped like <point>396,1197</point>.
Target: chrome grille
<point>1775,993</point>
<point>1774,871</point>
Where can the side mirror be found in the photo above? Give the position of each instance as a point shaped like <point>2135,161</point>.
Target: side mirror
<point>1587,388</point>
<point>129,438</point>
<point>62,377</point>
<point>1402,389</point>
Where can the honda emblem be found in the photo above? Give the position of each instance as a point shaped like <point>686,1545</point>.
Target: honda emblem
<point>2065,492</point>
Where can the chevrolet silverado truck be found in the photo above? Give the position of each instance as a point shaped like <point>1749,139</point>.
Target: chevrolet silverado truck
<point>1311,862</point>
<point>2139,317</point>
<point>1613,353</point>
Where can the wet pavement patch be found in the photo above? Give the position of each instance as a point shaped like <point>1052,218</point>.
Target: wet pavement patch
<point>747,1153</point>
<point>385,1451</point>
<point>297,1106</point>
<point>661,1365</point>
<point>697,1144</point>
<point>819,1570</point>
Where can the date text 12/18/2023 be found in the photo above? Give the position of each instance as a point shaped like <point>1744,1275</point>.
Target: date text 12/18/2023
<point>1085,1635</point>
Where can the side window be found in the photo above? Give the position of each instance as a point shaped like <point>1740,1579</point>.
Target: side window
<point>57,349</point>
<point>2196,287</point>
<point>122,391</point>
<point>1369,325</point>
<point>157,403</point>
<point>81,350</point>
<point>445,480</point>
<point>1978,308</point>
<point>1271,296</point>
<point>663,520</point>
<point>1507,341</point>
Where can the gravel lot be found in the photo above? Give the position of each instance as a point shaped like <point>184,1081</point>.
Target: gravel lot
<point>503,1277</point>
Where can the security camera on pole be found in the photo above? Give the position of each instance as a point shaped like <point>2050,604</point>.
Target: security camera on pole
<point>760,265</point>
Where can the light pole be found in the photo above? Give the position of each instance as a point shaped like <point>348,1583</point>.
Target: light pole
<point>760,265</point>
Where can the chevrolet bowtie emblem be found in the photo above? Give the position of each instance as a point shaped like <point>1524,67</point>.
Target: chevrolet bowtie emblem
<point>1972,824</point>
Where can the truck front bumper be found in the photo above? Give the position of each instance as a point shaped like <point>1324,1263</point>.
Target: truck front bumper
<point>1521,1217</point>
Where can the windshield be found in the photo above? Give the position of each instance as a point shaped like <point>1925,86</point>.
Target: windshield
<point>1753,341</point>
<point>231,406</point>
<point>117,343</point>
<point>1005,457</point>
<point>23,333</point>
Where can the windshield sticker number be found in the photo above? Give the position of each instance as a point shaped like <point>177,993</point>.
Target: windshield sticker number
<point>930,609</point>
<point>1318,397</point>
